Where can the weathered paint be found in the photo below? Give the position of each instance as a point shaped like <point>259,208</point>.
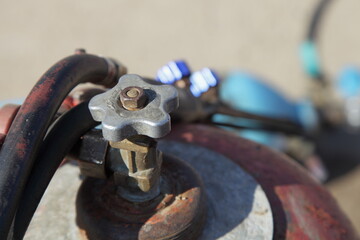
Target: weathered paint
<point>177,213</point>
<point>302,208</point>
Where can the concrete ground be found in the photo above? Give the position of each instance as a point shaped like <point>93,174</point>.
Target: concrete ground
<point>259,36</point>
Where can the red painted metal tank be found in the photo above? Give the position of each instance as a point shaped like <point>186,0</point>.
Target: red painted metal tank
<point>301,207</point>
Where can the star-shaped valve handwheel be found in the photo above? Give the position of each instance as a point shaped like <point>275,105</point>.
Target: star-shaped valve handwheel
<point>135,106</point>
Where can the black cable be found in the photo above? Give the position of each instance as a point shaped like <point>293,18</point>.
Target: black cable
<point>28,129</point>
<point>66,131</point>
<point>312,33</point>
<point>264,127</point>
<point>316,19</point>
<point>281,122</point>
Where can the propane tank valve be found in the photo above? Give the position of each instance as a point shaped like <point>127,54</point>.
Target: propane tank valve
<point>133,113</point>
<point>147,195</point>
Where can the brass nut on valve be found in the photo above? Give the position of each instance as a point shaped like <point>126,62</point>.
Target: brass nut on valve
<point>119,123</point>
<point>133,98</point>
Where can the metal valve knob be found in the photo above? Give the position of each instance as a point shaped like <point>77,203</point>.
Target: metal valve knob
<point>135,106</point>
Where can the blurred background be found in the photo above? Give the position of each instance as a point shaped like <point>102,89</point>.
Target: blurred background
<point>260,36</point>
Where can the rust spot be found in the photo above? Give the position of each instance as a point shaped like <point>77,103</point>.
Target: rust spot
<point>325,218</point>
<point>21,147</point>
<point>188,136</point>
<point>177,214</point>
<point>39,94</point>
<point>43,89</point>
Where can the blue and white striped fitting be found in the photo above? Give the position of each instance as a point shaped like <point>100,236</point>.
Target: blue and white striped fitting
<point>202,80</point>
<point>173,71</point>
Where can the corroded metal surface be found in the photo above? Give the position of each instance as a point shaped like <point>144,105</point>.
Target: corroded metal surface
<point>177,213</point>
<point>238,208</point>
<point>301,207</point>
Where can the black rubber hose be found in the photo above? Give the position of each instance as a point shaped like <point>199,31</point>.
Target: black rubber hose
<point>27,132</point>
<point>66,131</point>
